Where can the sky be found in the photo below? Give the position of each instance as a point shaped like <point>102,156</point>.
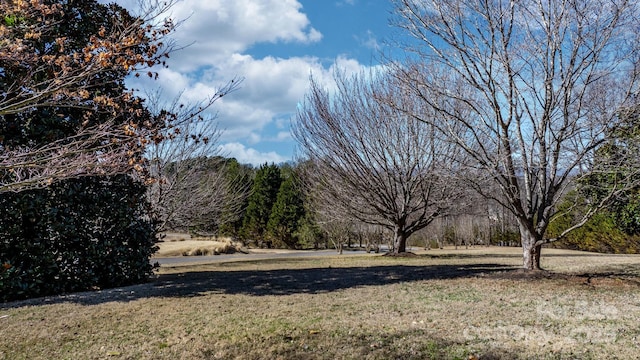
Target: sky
<point>275,46</point>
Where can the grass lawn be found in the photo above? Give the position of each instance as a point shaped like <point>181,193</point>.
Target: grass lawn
<point>441,304</point>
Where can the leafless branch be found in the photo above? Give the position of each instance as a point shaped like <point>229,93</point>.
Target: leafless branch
<point>528,89</point>
<point>371,162</point>
<point>190,187</point>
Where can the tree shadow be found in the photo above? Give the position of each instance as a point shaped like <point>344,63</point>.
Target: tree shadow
<point>270,282</point>
<point>314,280</point>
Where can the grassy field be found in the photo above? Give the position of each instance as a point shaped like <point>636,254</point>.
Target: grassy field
<point>441,304</point>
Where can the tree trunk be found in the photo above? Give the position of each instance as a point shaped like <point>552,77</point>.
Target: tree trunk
<point>530,252</point>
<point>400,241</point>
<point>536,257</point>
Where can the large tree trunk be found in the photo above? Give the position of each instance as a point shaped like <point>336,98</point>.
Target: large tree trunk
<point>530,252</point>
<point>400,241</point>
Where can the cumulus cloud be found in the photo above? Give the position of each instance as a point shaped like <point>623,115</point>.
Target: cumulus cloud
<point>215,29</point>
<point>370,41</point>
<point>219,35</point>
<point>283,135</point>
<point>271,89</point>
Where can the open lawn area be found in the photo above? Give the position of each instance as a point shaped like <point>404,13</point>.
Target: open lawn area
<point>440,304</point>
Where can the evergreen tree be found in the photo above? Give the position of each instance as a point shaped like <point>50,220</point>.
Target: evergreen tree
<point>263,195</point>
<point>239,176</point>
<point>602,233</point>
<point>287,213</point>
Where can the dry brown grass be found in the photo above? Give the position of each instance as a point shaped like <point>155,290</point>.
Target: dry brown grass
<point>177,244</point>
<point>438,305</point>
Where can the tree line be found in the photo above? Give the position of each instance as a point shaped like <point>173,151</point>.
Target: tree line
<point>280,209</point>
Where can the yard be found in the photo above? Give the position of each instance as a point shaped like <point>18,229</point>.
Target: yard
<point>440,304</point>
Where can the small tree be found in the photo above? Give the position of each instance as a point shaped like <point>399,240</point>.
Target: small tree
<point>309,233</point>
<point>190,188</point>
<point>615,166</point>
<point>239,176</point>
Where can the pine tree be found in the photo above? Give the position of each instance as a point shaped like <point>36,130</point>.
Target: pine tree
<point>263,195</point>
<point>239,177</point>
<point>287,213</point>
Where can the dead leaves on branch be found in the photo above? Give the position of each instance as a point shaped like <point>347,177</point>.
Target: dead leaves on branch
<point>50,70</point>
<point>46,68</point>
<point>130,46</point>
<point>96,150</point>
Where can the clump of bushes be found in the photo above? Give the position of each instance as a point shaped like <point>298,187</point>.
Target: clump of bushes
<point>79,234</point>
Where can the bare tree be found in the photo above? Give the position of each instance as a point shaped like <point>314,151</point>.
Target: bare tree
<point>371,162</point>
<point>190,187</point>
<point>528,89</point>
<point>43,68</point>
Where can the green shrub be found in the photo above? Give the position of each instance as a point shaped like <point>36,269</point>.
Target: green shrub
<point>79,234</point>
<point>600,234</point>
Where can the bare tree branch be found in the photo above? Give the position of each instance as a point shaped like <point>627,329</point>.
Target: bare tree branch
<point>190,186</point>
<point>62,77</point>
<point>527,88</point>
<point>371,162</point>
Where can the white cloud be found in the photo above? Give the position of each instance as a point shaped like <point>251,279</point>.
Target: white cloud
<point>272,82</point>
<point>271,90</point>
<point>283,135</point>
<point>215,29</point>
<point>221,33</point>
<point>370,41</point>
<point>254,138</point>
<point>251,156</point>
<point>268,96</point>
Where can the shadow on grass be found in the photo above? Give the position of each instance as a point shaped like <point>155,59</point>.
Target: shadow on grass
<point>271,282</point>
<point>312,281</point>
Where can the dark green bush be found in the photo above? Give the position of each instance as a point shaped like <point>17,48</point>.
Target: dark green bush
<point>599,234</point>
<point>81,234</point>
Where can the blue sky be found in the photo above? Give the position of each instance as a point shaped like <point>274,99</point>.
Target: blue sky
<point>275,45</point>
